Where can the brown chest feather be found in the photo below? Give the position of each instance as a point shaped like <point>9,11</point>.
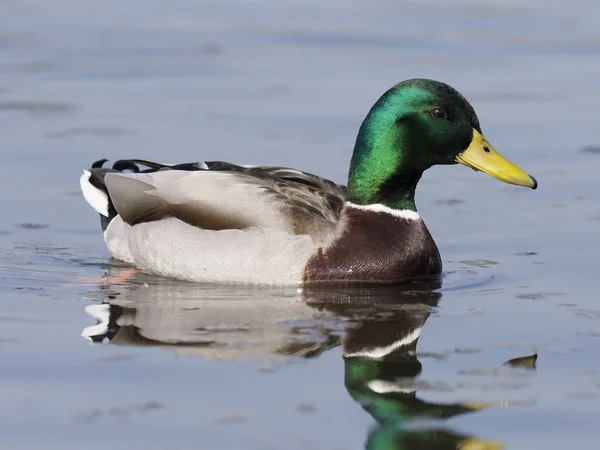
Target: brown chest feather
<point>375,247</point>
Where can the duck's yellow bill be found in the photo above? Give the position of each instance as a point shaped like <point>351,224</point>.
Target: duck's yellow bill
<point>481,156</point>
<point>477,444</point>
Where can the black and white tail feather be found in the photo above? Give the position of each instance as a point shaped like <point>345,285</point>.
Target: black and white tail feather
<point>96,193</point>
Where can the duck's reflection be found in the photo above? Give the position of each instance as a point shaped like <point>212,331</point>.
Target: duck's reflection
<point>378,329</point>
<point>379,347</point>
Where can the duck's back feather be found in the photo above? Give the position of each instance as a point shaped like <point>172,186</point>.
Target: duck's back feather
<point>224,196</point>
<point>205,199</point>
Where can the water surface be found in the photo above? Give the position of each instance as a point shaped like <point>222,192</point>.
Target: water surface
<point>90,358</point>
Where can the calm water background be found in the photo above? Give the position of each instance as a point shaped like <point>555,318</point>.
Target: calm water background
<point>288,83</point>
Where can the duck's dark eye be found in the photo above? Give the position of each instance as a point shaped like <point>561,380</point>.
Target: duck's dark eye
<point>438,113</point>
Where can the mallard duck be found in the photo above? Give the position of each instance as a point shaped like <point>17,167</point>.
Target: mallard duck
<point>226,223</point>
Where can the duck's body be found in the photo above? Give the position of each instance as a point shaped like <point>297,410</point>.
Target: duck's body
<point>225,223</point>
<point>218,222</point>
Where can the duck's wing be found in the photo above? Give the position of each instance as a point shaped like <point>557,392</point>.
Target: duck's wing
<point>220,196</point>
<point>314,203</point>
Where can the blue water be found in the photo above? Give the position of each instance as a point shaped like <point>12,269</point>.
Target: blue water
<point>181,366</point>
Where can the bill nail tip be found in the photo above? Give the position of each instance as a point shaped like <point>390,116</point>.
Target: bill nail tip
<point>535,183</point>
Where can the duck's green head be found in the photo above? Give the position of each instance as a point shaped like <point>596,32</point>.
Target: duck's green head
<point>417,124</point>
